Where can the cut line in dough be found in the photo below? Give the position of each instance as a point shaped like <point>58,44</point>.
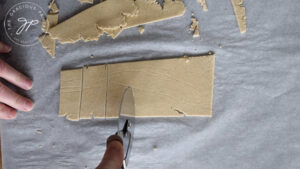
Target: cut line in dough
<point>174,87</point>
<point>240,14</point>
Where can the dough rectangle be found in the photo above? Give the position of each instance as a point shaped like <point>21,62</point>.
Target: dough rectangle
<point>93,92</point>
<point>70,93</point>
<point>162,88</point>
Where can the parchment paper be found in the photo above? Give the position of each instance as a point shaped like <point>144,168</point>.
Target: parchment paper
<point>255,121</point>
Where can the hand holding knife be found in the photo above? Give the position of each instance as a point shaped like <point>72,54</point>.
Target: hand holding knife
<point>119,144</point>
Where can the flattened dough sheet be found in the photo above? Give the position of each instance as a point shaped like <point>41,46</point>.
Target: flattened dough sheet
<point>162,88</point>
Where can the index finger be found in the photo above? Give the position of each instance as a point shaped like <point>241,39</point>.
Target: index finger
<point>13,76</point>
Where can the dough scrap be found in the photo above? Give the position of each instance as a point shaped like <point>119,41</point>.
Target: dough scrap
<point>107,16</point>
<point>203,4</point>
<point>112,16</point>
<point>240,14</point>
<point>53,7</point>
<point>162,88</point>
<point>86,1</point>
<point>141,29</point>
<point>194,27</point>
<point>47,42</point>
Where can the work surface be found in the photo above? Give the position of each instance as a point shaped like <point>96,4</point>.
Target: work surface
<point>255,121</point>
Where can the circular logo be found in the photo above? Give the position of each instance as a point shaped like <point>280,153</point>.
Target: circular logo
<point>22,23</point>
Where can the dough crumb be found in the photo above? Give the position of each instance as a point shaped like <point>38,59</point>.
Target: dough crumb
<point>141,29</point>
<point>155,147</point>
<point>86,1</point>
<point>194,27</point>
<point>240,14</point>
<point>39,132</point>
<point>203,4</point>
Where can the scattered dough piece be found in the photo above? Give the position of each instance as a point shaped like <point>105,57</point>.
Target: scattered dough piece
<point>86,1</point>
<point>240,14</point>
<point>112,17</point>
<point>70,94</point>
<point>141,29</point>
<point>167,87</point>
<point>203,4</point>
<point>194,27</point>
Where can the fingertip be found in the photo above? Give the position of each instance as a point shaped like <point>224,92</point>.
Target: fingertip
<point>28,84</point>
<point>8,48</point>
<point>28,105</point>
<point>5,48</point>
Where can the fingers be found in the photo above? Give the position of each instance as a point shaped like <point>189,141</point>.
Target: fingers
<point>12,99</point>
<point>10,74</point>
<point>113,157</point>
<point>7,112</point>
<point>4,48</point>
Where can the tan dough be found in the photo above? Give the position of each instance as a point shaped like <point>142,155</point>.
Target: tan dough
<point>203,4</point>
<point>141,29</point>
<point>194,27</point>
<point>240,14</point>
<point>86,1</point>
<point>53,7</point>
<point>165,88</point>
<point>70,94</point>
<point>150,11</point>
<point>52,19</point>
<point>93,92</point>
<point>106,16</point>
<point>112,17</point>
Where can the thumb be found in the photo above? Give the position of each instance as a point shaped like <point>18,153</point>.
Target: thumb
<point>113,156</point>
<point>4,48</point>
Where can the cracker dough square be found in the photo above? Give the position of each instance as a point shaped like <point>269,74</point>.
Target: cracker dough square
<point>70,94</point>
<point>93,92</point>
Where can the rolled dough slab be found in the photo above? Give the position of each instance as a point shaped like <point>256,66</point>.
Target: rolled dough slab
<point>162,88</point>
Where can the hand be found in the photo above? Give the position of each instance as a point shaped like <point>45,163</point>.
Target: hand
<point>114,154</point>
<point>9,100</point>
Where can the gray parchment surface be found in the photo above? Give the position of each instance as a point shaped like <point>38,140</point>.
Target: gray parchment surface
<point>256,106</point>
